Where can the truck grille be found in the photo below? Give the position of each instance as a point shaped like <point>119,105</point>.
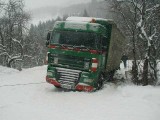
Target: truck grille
<point>68,78</point>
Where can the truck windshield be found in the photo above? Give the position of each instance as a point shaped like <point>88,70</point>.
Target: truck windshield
<point>89,40</point>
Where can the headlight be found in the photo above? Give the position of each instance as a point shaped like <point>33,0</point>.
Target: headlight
<point>88,80</point>
<point>49,73</point>
<point>55,60</point>
<point>86,65</point>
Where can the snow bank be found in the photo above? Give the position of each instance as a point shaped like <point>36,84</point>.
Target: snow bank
<point>9,76</point>
<point>5,70</point>
<point>45,102</point>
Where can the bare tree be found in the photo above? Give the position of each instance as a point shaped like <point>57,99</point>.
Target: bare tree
<point>126,18</point>
<point>140,17</point>
<point>12,33</point>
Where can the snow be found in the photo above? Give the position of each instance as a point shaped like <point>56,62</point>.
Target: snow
<point>75,25</point>
<point>79,19</point>
<point>79,25</point>
<point>139,24</point>
<point>86,19</point>
<point>158,83</point>
<point>26,96</point>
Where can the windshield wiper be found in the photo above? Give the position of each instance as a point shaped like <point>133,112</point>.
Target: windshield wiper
<point>65,45</point>
<point>82,47</point>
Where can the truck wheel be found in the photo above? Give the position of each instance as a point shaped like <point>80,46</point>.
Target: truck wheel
<point>100,82</point>
<point>111,75</point>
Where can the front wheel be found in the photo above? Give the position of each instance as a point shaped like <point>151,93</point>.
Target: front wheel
<point>100,82</point>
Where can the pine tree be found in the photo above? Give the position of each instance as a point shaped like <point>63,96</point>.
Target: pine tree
<point>85,14</point>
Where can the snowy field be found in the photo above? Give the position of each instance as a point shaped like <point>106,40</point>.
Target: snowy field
<point>25,96</point>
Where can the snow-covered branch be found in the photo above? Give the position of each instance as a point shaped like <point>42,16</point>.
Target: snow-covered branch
<point>15,40</point>
<point>4,53</point>
<point>2,47</point>
<point>153,35</point>
<point>136,5</point>
<point>19,43</point>
<point>124,17</point>
<point>28,56</point>
<point>153,8</point>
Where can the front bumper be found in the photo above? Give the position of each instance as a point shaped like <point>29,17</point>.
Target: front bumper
<point>71,79</point>
<point>52,81</point>
<point>78,87</point>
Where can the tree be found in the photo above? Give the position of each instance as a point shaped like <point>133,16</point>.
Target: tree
<point>141,20</point>
<point>37,38</point>
<point>65,16</point>
<point>12,33</point>
<point>85,14</point>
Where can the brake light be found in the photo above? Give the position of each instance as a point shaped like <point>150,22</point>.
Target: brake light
<point>94,64</point>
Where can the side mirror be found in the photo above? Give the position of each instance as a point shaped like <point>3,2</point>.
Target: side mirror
<point>48,36</point>
<point>47,43</point>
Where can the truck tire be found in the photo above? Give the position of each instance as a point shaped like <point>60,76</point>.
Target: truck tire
<point>109,76</point>
<point>100,82</point>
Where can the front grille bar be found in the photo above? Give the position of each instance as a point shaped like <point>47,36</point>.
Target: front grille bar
<point>68,77</point>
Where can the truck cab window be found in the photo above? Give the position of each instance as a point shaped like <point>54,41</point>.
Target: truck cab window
<point>55,38</point>
<point>90,40</point>
<point>104,42</point>
<point>48,38</point>
<point>98,42</point>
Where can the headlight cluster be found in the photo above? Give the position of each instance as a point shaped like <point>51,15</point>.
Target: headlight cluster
<point>86,65</point>
<point>49,73</point>
<point>55,60</point>
<point>88,80</point>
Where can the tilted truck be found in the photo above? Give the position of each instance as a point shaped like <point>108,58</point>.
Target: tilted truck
<point>83,52</point>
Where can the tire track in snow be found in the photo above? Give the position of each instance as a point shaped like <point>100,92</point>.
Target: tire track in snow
<point>13,85</point>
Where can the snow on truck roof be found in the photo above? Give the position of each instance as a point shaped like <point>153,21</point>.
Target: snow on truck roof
<point>79,19</point>
<point>94,20</point>
<point>88,19</point>
<point>76,25</point>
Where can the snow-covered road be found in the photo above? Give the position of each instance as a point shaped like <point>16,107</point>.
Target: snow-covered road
<point>22,100</point>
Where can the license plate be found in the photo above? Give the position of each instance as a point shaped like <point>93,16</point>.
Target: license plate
<point>66,86</point>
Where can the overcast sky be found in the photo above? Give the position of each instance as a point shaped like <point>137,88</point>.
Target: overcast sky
<point>32,4</point>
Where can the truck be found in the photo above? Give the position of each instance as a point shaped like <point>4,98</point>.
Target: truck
<point>83,53</point>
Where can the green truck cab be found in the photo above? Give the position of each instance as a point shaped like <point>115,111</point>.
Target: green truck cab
<point>83,52</point>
